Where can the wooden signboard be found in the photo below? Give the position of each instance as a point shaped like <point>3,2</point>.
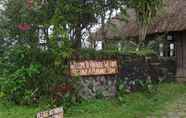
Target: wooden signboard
<point>54,113</point>
<point>93,67</point>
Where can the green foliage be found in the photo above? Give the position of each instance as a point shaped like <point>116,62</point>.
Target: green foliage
<point>147,86</point>
<point>109,54</point>
<point>93,54</point>
<point>66,93</point>
<point>128,47</point>
<point>125,86</point>
<point>121,89</point>
<point>76,17</point>
<point>143,52</point>
<point>146,10</point>
<point>30,73</point>
<point>136,104</point>
<point>17,86</point>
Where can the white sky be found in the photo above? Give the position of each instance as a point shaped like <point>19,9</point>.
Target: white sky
<point>94,29</point>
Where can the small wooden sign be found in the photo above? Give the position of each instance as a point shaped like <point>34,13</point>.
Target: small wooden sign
<point>93,67</point>
<point>54,113</point>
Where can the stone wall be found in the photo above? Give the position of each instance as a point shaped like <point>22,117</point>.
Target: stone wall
<point>98,86</point>
<point>131,69</point>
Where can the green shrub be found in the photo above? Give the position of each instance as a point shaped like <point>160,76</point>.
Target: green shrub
<point>31,73</point>
<point>18,85</point>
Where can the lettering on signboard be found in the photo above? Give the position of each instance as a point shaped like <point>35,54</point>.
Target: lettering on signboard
<point>93,67</point>
<point>54,113</point>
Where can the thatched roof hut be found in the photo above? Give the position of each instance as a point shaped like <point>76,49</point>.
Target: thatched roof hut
<point>171,18</point>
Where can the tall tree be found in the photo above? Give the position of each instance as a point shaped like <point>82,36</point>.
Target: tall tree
<point>80,16</point>
<point>23,18</point>
<point>146,10</point>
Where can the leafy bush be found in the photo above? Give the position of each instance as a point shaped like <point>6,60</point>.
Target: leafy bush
<point>18,87</point>
<point>33,74</point>
<point>29,74</point>
<point>129,47</point>
<point>66,93</point>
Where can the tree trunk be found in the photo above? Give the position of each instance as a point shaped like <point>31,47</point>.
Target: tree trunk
<point>77,39</point>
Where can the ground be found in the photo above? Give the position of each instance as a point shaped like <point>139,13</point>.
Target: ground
<point>177,109</point>
<point>168,102</point>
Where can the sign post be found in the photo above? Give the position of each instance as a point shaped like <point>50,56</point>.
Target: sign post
<point>54,113</point>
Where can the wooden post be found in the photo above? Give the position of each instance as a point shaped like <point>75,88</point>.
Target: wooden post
<point>181,56</point>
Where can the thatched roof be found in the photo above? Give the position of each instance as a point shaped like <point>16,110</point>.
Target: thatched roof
<point>171,18</point>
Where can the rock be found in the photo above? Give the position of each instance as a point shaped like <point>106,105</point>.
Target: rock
<point>90,86</point>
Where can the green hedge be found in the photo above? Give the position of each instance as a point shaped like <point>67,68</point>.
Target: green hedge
<point>105,54</point>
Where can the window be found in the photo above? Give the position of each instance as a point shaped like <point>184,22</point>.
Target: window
<point>167,46</point>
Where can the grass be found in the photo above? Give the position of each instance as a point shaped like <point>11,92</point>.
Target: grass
<point>135,105</point>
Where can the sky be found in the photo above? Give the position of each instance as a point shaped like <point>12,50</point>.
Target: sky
<point>1,4</point>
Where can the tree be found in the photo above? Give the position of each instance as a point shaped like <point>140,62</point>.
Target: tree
<point>75,17</point>
<point>80,16</point>
<point>146,10</point>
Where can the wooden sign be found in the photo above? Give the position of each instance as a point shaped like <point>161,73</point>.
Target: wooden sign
<point>93,67</point>
<point>54,113</point>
